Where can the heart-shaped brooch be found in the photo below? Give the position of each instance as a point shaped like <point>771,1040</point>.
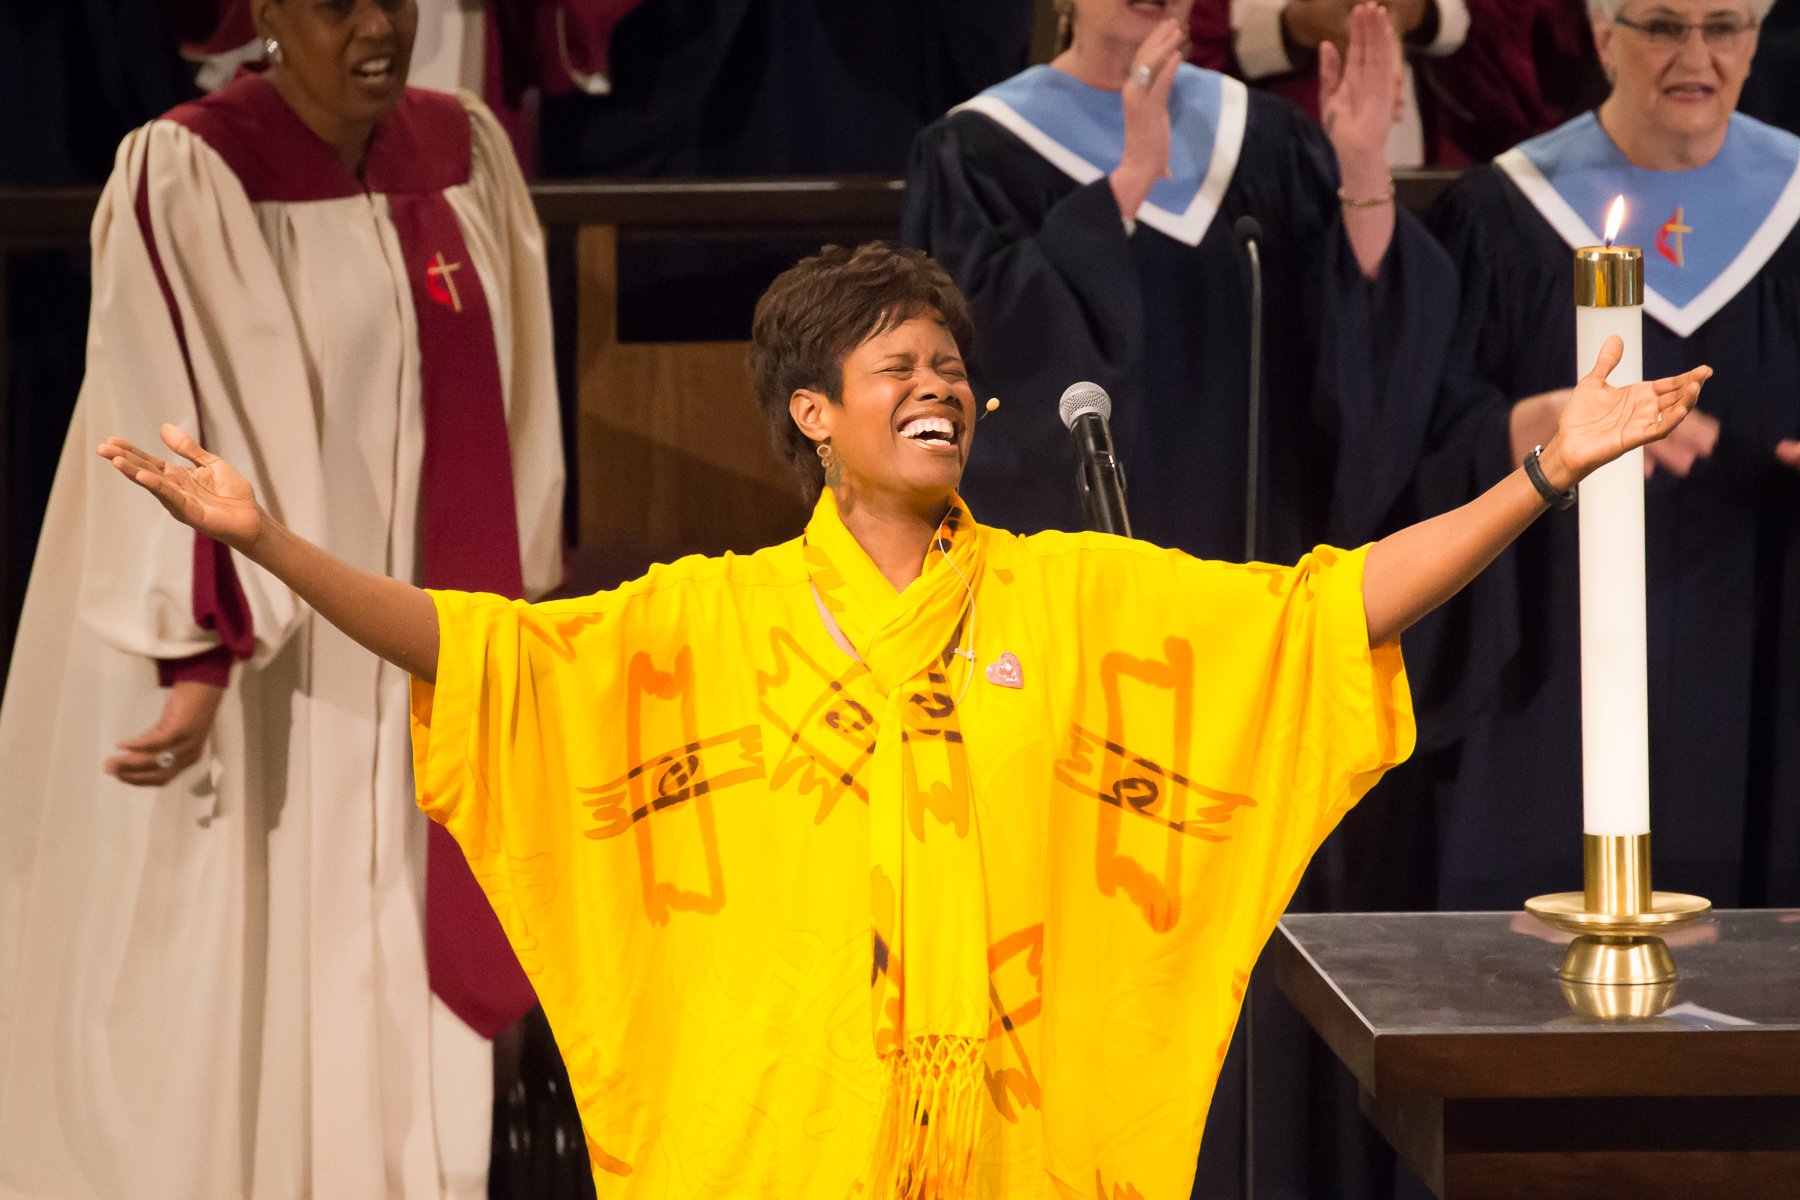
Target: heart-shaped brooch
<point>1006,671</point>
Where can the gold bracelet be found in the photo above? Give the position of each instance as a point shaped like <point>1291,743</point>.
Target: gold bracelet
<point>1377,202</point>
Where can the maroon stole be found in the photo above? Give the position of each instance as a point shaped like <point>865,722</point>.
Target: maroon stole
<point>468,524</point>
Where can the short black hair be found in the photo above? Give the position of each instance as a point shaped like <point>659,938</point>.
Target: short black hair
<point>823,307</point>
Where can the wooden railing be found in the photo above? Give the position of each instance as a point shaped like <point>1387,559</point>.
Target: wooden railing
<point>845,208</point>
<point>666,450</point>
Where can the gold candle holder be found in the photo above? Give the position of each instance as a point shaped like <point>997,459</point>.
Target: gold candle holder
<point>1609,276</point>
<point>1616,917</point>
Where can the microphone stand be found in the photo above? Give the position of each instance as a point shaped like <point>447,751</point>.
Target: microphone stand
<point>1249,232</point>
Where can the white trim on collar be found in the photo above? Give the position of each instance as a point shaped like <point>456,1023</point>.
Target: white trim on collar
<point>1188,227</point>
<point>1684,320</point>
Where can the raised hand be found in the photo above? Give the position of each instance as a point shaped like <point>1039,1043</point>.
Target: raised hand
<point>210,495</point>
<point>1147,129</point>
<point>1359,93</point>
<point>1602,422</point>
<point>391,618</point>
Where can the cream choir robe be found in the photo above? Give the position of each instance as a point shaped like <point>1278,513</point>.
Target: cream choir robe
<point>219,989</point>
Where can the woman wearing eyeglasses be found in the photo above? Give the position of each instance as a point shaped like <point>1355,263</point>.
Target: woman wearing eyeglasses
<point>1713,198</point>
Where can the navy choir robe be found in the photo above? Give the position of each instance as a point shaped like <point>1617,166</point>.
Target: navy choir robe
<point>1498,672</point>
<point>1009,192</point>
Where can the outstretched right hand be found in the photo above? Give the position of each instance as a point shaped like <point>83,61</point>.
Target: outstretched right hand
<point>210,495</point>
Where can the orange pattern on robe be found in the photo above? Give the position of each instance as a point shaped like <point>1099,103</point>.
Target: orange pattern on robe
<point>817,908</point>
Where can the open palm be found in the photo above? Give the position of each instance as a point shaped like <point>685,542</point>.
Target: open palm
<point>1602,422</point>
<point>1359,85</point>
<point>210,495</point>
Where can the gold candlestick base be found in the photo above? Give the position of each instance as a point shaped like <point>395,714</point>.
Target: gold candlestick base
<point>1616,918</point>
<point>1610,1003</point>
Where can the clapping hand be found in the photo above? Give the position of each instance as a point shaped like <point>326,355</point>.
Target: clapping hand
<point>1602,422</point>
<point>210,496</point>
<point>1147,127</point>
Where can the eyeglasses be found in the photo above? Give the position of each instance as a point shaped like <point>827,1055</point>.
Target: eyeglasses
<point>1666,34</point>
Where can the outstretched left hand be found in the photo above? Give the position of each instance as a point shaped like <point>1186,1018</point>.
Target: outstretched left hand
<point>1602,422</point>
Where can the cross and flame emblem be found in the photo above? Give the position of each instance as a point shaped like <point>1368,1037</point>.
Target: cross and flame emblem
<point>440,282</point>
<point>1668,238</point>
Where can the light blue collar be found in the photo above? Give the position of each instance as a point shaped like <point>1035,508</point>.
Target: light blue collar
<point>1705,232</point>
<point>1080,130</point>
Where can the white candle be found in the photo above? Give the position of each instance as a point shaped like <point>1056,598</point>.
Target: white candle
<point>1615,705</point>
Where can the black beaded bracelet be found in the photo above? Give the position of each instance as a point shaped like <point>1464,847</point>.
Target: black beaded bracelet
<point>1535,473</point>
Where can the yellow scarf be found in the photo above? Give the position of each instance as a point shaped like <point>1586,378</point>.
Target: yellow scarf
<point>941,894</point>
<point>928,902</point>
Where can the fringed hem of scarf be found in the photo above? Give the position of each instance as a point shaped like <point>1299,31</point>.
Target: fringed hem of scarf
<point>929,1124</point>
<point>928,904</point>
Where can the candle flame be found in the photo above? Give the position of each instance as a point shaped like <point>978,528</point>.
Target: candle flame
<point>1615,217</point>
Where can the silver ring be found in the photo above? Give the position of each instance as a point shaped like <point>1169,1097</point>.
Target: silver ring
<point>1143,74</point>
<point>166,759</point>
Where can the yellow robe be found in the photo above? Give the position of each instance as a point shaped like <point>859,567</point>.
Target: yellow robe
<point>692,798</point>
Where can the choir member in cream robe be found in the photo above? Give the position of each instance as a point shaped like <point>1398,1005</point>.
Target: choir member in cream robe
<point>214,983</point>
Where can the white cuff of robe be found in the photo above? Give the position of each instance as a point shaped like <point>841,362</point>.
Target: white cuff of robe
<point>1256,37</point>
<point>1452,30</point>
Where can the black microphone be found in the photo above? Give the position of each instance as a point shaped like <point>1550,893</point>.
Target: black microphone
<point>1086,410</point>
<point>1249,232</point>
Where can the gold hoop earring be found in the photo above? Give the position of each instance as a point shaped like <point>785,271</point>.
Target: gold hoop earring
<point>272,49</point>
<point>828,462</point>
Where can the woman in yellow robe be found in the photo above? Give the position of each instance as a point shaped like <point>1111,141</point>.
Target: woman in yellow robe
<point>909,857</point>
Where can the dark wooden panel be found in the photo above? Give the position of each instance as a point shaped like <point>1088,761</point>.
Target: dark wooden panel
<point>646,208</point>
<point>1635,1148</point>
<point>1332,1017</point>
<point>724,206</point>
<point>1750,1062</point>
<point>1671,1175</point>
<point>848,208</point>
<point>1623,1124</point>
<point>38,218</point>
<point>1414,1126</point>
<point>1468,1004</point>
<point>1494,1083</point>
<point>1417,189</point>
